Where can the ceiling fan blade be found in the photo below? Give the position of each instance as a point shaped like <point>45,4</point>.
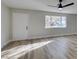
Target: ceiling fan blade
<point>68,5</point>
<point>52,6</point>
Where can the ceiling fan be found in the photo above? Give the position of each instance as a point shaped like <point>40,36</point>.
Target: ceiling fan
<point>60,6</point>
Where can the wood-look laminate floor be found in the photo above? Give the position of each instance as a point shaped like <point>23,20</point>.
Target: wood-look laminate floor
<point>49,48</point>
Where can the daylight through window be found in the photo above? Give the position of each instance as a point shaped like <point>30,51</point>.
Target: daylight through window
<point>55,21</point>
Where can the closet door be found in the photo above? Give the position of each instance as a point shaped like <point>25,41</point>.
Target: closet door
<point>20,25</point>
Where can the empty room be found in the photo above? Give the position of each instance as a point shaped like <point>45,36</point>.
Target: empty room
<point>38,29</point>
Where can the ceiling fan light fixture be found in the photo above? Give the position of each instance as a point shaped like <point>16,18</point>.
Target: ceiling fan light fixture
<point>60,9</point>
<point>60,6</point>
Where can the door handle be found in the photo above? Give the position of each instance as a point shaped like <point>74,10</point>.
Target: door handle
<point>26,27</point>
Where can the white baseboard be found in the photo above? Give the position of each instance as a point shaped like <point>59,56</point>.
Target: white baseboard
<point>5,44</point>
<point>42,36</point>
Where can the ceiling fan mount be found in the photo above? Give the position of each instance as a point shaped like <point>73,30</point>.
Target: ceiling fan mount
<point>60,0</point>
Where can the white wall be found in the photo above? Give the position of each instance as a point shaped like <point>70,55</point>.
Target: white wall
<point>5,25</point>
<point>36,24</point>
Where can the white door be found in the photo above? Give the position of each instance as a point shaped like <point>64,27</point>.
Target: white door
<point>20,25</point>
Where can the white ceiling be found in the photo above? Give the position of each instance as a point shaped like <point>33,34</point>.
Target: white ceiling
<point>42,5</point>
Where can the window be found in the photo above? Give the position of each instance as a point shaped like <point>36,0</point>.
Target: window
<point>55,21</point>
